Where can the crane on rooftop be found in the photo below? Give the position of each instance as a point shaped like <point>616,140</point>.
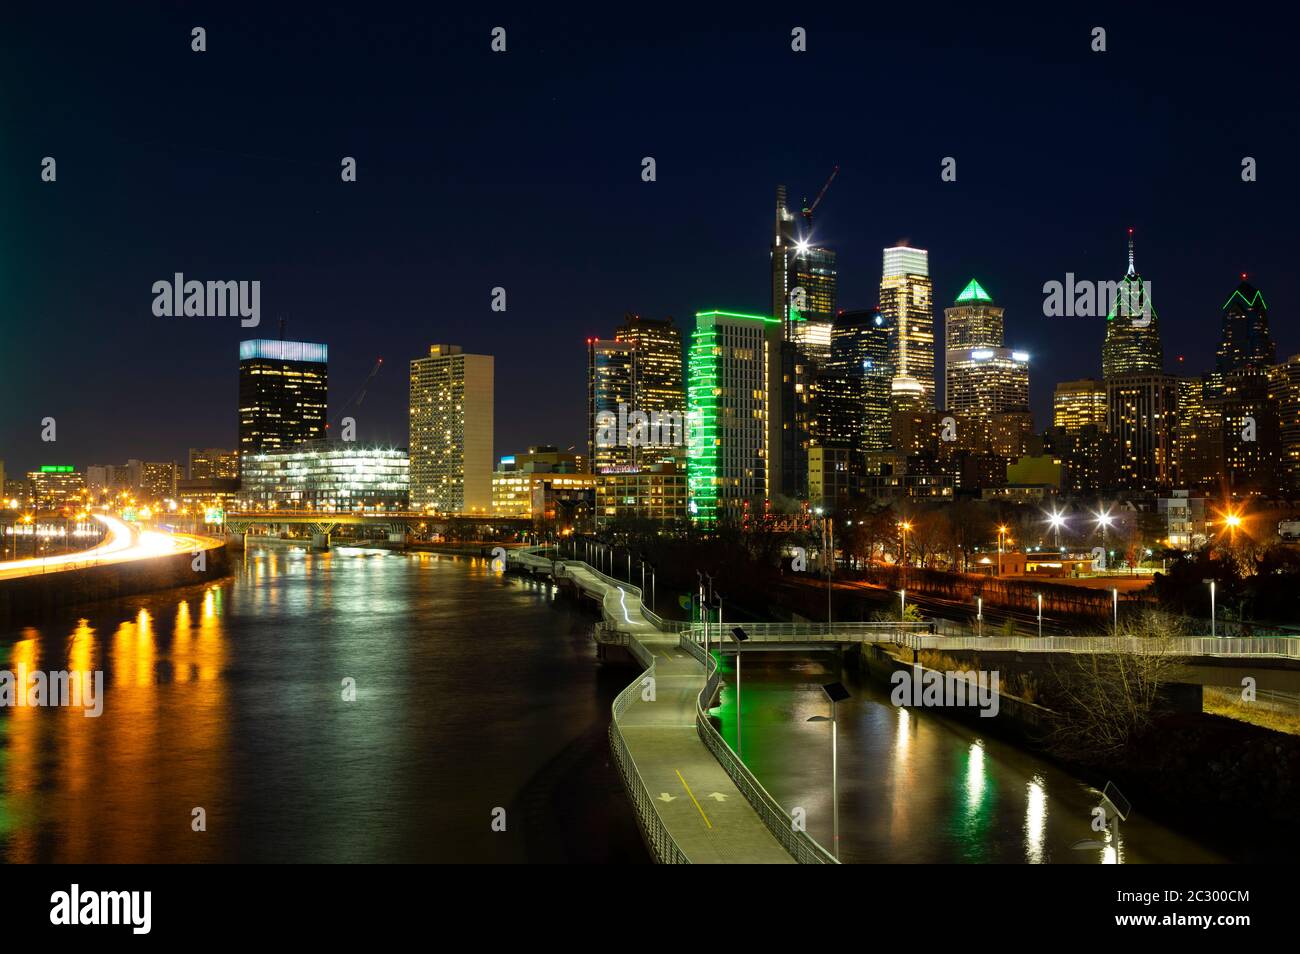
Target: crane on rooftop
<point>809,209</point>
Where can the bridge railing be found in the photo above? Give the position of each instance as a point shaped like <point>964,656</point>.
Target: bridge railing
<point>1228,646</point>
<point>814,632</point>
<point>656,834</point>
<point>663,625</point>
<point>801,846</point>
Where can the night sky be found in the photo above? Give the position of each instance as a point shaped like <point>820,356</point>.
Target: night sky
<point>522,170</point>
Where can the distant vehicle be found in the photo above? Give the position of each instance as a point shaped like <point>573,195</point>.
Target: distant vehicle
<point>1289,529</point>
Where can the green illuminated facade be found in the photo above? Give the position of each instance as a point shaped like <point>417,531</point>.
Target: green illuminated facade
<point>733,401</point>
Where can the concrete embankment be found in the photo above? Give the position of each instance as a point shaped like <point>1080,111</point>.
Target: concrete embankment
<point>28,598</point>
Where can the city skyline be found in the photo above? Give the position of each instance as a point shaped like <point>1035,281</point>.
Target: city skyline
<point>687,242</point>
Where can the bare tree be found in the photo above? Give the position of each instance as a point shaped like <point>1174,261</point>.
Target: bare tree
<point>1105,701</point>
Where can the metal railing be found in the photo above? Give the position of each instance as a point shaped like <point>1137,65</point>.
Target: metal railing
<point>801,846</point>
<point>1230,646</point>
<point>651,617</point>
<point>817,632</point>
<point>661,844</point>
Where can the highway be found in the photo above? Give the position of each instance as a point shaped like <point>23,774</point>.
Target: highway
<point>123,543</point>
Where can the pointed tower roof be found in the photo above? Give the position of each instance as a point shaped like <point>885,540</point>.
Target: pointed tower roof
<point>973,292</point>
<point>1248,295</point>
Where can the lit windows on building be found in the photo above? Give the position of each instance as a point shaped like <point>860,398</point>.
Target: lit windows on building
<point>327,477</point>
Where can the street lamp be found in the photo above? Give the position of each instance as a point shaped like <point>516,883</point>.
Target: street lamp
<point>1115,596</point>
<point>1040,615</point>
<point>1057,521</point>
<point>902,605</point>
<point>1002,532</point>
<point>903,527</point>
<point>740,636</point>
<point>979,613</point>
<point>1104,520</point>
<point>835,692</point>
<point>1212,624</point>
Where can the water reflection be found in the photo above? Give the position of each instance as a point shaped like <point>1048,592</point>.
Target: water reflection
<point>918,788</point>
<point>472,691</point>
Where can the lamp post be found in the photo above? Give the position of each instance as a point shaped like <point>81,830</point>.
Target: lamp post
<point>902,605</point>
<point>836,693</point>
<point>1040,615</point>
<point>1114,592</point>
<point>903,527</point>
<point>1212,624</point>
<point>979,613</point>
<point>740,636</point>
<point>1056,521</point>
<point>1002,532</point>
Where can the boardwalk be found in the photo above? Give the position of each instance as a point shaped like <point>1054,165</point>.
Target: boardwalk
<point>702,816</point>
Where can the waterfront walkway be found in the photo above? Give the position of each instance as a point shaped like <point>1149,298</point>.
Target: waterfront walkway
<point>688,805</point>
<point>705,813</point>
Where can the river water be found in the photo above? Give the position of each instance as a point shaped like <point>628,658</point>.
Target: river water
<point>915,787</point>
<point>473,692</point>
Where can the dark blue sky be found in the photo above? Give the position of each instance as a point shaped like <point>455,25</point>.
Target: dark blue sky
<point>523,170</point>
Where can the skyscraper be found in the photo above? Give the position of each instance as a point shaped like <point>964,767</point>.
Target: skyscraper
<point>1245,345</point>
<point>803,283</point>
<point>283,394</point>
<point>1198,443</point>
<point>609,392</point>
<point>657,386</point>
<point>853,398</point>
<point>1141,417</point>
<point>905,302</point>
<point>451,431</point>
<point>981,376</point>
<point>1132,344</point>
<point>1078,404</point>
<point>1251,438</point>
<point>1284,384</point>
<point>734,396</point>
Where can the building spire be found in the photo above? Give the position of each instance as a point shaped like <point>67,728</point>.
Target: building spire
<point>1131,269</point>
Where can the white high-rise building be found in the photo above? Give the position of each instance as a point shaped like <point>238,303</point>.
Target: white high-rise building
<point>906,298</point>
<point>451,431</point>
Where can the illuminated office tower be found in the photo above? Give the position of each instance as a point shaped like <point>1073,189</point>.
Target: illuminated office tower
<point>54,486</point>
<point>733,391</point>
<point>1132,343</point>
<point>657,388</point>
<point>451,431</point>
<point>158,480</point>
<point>973,321</point>
<point>1198,437</point>
<point>1284,384</point>
<point>853,398</point>
<point>803,283</point>
<point>1079,404</point>
<point>981,377</point>
<point>609,392</point>
<point>1251,435</point>
<point>1141,414</point>
<point>1245,345</point>
<point>210,463</point>
<point>283,393</point>
<point>905,302</point>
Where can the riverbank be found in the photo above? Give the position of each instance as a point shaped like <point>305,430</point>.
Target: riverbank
<point>37,597</point>
<point>1230,784</point>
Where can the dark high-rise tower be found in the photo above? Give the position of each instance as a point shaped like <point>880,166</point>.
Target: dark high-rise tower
<point>1132,344</point>
<point>283,393</point>
<point>1245,345</point>
<point>853,398</point>
<point>803,284</point>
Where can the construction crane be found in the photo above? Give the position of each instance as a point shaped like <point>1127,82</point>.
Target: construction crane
<point>356,399</point>
<point>809,209</point>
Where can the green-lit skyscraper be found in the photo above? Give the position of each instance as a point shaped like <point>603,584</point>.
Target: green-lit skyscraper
<point>733,394</point>
<point>1132,344</point>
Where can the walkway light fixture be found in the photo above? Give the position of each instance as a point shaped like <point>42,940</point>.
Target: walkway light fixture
<point>835,692</point>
